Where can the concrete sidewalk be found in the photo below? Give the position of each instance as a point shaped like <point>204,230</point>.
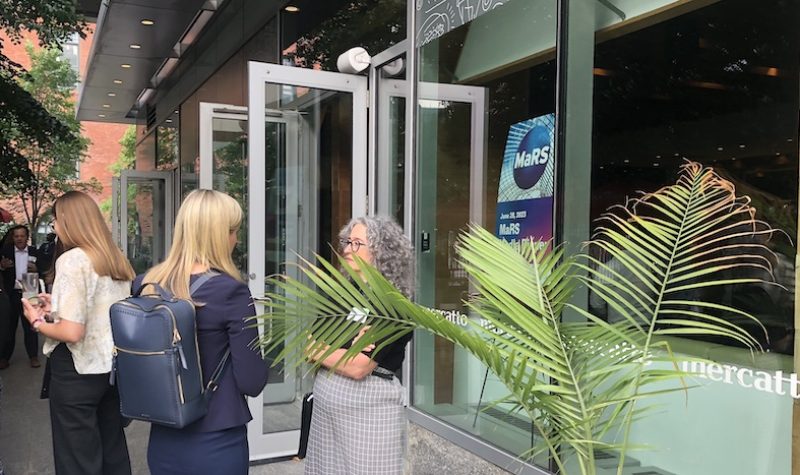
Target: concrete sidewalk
<point>25,440</point>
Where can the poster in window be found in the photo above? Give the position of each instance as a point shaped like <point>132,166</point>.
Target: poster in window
<point>525,194</point>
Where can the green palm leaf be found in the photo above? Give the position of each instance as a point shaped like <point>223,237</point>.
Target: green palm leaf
<point>581,383</point>
<point>664,250</point>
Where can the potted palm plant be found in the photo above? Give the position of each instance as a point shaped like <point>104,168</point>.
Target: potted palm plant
<point>582,381</point>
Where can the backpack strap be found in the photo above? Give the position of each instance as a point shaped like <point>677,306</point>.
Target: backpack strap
<point>213,383</point>
<point>205,277</point>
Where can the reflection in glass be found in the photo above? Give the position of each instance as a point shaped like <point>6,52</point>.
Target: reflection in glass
<point>229,145</point>
<point>397,157</point>
<point>145,234</point>
<point>449,383</point>
<point>319,32</point>
<point>308,140</point>
<point>391,138</point>
<point>723,92</point>
<point>167,146</point>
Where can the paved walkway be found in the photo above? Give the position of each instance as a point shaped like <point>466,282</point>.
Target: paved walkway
<point>25,442</point>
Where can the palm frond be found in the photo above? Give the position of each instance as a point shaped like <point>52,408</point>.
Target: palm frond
<point>580,383</point>
<point>664,251</point>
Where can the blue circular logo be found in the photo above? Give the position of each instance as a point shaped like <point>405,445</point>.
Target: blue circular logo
<point>532,156</point>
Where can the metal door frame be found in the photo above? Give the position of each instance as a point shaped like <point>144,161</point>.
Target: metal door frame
<point>208,112</point>
<point>280,444</point>
<point>473,95</point>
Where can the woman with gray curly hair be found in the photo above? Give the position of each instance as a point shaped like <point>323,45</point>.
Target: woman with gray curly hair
<point>358,425</point>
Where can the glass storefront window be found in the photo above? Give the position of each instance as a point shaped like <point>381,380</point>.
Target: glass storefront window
<point>471,105</point>
<point>167,142</point>
<point>715,84</point>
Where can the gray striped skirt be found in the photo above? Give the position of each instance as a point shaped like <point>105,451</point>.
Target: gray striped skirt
<point>358,427</point>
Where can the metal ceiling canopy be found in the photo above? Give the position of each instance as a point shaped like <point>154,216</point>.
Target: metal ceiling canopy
<point>135,42</point>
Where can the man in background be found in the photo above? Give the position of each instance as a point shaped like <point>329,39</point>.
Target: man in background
<point>15,260</point>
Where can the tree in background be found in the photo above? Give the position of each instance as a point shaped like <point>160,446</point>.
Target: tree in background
<point>125,161</point>
<point>53,166</point>
<point>127,153</point>
<point>22,118</point>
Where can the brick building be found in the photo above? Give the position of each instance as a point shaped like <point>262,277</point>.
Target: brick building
<point>104,147</point>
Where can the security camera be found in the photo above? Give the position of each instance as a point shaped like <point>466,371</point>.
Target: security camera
<point>353,61</point>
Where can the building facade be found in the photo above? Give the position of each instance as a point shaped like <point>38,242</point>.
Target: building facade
<point>532,117</point>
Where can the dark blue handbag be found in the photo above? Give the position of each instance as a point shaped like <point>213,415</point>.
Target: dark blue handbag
<point>156,359</point>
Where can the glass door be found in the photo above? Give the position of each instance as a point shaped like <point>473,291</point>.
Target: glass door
<point>389,90</point>
<point>449,101</point>
<point>223,161</point>
<point>223,167</point>
<point>145,215</point>
<point>450,188</point>
<point>307,167</point>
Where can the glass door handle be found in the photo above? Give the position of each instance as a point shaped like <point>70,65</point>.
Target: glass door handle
<point>269,319</point>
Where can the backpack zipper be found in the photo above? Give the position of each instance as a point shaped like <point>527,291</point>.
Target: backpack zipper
<point>140,353</point>
<point>176,337</point>
<point>117,349</point>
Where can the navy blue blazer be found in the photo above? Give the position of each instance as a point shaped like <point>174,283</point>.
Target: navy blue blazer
<point>220,325</point>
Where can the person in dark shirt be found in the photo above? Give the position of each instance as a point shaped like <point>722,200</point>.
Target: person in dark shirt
<point>46,252</point>
<point>358,425</point>
<point>204,238</point>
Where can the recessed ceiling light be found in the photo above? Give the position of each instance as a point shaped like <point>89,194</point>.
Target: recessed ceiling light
<point>117,81</point>
<point>106,105</point>
<point>135,46</point>
<point>741,145</point>
<point>719,149</point>
<point>291,9</point>
<point>101,115</point>
<point>655,164</point>
<point>112,94</point>
<point>125,66</point>
<point>169,121</point>
<point>147,22</point>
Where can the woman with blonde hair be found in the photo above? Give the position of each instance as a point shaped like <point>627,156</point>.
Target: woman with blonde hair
<point>91,274</point>
<point>204,238</point>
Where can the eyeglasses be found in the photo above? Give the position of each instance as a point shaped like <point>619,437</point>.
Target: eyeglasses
<point>354,245</point>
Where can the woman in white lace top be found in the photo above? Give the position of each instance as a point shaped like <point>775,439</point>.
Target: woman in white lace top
<point>91,274</point>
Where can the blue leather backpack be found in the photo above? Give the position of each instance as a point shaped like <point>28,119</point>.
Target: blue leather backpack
<point>156,359</point>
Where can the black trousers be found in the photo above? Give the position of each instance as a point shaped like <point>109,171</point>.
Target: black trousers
<point>88,435</point>
<point>8,329</point>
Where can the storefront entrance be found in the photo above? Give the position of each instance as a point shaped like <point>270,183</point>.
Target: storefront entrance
<point>295,159</point>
